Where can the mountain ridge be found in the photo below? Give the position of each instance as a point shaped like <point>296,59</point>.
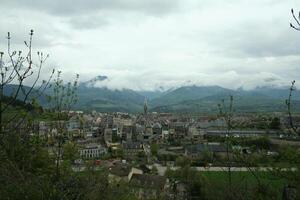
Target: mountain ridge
<point>179,99</point>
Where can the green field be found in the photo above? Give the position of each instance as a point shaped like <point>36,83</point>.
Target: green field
<point>243,183</point>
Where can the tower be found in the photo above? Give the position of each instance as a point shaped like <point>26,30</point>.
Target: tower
<point>145,107</point>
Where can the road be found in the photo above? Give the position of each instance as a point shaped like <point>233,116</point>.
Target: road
<point>162,169</point>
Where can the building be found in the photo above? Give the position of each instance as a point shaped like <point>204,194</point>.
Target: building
<point>120,171</point>
<point>147,186</point>
<point>131,149</point>
<point>92,151</point>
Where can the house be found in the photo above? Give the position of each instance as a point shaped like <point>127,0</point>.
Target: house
<point>195,134</point>
<point>131,149</point>
<point>44,128</point>
<point>108,135</point>
<point>180,130</point>
<point>127,132</point>
<point>211,123</point>
<point>120,171</point>
<point>157,129</point>
<point>165,134</point>
<point>134,171</point>
<point>73,124</point>
<point>147,186</point>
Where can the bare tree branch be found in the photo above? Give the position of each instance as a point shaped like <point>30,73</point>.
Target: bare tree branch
<point>297,20</point>
<point>14,72</point>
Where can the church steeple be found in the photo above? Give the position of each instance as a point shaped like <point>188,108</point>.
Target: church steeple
<point>145,107</point>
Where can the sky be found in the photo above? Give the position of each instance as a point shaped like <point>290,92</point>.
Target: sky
<point>161,44</point>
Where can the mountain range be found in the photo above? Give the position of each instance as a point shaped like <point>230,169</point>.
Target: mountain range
<point>203,99</point>
<point>182,99</point>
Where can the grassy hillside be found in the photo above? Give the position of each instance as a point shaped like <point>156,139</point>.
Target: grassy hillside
<point>105,100</point>
<point>188,93</point>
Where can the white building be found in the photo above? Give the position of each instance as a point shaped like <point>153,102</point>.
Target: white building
<point>93,151</point>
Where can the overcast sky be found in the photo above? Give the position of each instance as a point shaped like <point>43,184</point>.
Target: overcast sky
<point>150,44</point>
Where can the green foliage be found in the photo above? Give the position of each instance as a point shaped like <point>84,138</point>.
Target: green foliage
<point>275,123</point>
<point>207,156</point>
<point>167,157</point>
<point>255,142</point>
<point>18,103</point>
<point>25,166</point>
<point>154,170</point>
<point>189,177</point>
<point>70,152</point>
<point>48,115</point>
<point>64,95</point>
<point>154,149</point>
<point>183,161</point>
<point>27,171</point>
<point>116,153</point>
<point>244,185</point>
<point>290,155</point>
<point>262,143</point>
<point>141,154</point>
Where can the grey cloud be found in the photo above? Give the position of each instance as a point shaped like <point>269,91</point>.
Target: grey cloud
<point>259,41</point>
<point>270,44</point>
<point>88,22</point>
<point>120,79</point>
<point>46,32</point>
<point>149,44</point>
<point>75,7</point>
<point>271,79</point>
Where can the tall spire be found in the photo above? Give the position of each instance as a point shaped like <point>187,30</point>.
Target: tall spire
<point>145,106</point>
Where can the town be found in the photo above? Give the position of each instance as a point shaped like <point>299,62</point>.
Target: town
<point>140,148</point>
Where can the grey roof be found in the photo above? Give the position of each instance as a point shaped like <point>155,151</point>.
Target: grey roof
<point>120,170</point>
<point>132,145</point>
<point>157,125</point>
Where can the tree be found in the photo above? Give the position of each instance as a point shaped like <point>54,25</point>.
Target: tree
<point>154,149</point>
<point>70,152</point>
<point>25,165</point>
<point>154,170</point>
<point>183,161</point>
<point>16,69</point>
<point>289,154</point>
<point>227,114</point>
<point>289,108</point>
<point>191,180</point>
<point>64,97</point>
<point>207,155</point>
<point>275,123</point>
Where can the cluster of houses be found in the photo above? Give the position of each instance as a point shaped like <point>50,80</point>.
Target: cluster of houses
<point>100,133</point>
<point>142,181</point>
<point>120,141</point>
